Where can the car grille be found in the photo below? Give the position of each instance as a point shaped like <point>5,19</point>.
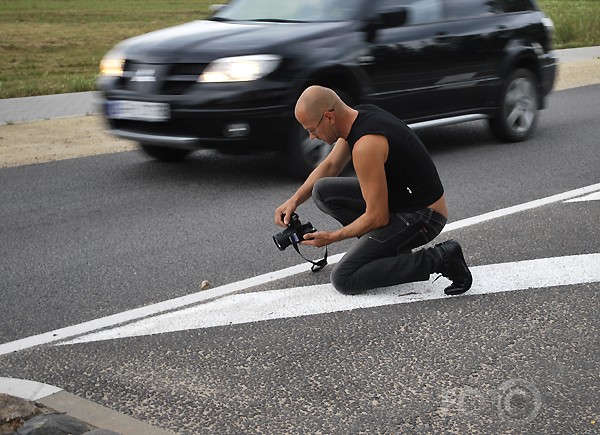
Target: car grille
<point>161,79</point>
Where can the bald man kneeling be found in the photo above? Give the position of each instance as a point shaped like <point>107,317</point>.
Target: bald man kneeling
<point>396,202</point>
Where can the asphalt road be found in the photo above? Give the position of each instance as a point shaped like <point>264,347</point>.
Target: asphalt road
<point>92,237</point>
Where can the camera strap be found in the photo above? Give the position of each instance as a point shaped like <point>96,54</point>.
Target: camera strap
<point>316,265</point>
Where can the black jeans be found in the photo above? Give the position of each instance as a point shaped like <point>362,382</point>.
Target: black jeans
<point>384,256</point>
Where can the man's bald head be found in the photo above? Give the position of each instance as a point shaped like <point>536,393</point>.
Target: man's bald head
<point>314,101</point>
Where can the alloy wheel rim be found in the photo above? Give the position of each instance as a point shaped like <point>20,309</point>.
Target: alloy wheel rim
<point>520,105</point>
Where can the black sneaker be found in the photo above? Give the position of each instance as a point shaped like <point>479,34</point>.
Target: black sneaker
<point>454,267</point>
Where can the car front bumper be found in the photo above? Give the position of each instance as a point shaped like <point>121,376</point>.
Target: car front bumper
<point>218,117</point>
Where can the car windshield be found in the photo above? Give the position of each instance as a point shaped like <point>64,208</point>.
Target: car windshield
<point>288,10</point>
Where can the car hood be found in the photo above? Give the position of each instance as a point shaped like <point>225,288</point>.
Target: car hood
<point>204,41</point>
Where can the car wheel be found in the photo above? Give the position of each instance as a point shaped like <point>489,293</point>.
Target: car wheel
<point>165,154</point>
<point>303,154</point>
<point>518,109</point>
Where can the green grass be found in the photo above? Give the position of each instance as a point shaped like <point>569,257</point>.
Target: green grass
<point>55,46</point>
<point>577,22</point>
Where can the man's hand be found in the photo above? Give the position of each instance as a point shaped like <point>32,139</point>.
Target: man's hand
<point>283,213</point>
<point>318,239</point>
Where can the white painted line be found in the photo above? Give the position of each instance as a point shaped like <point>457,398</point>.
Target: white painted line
<point>321,299</point>
<point>591,197</point>
<point>150,310</point>
<point>27,390</point>
<point>195,298</point>
<point>522,207</point>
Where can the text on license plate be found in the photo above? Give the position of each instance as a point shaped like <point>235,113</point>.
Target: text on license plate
<point>137,110</point>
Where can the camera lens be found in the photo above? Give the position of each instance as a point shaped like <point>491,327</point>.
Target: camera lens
<point>281,241</point>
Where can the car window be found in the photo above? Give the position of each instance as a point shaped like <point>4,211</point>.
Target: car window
<point>417,11</point>
<point>289,10</point>
<point>517,5</point>
<point>461,9</point>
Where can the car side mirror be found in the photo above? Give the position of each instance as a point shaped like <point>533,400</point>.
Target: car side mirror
<point>216,8</point>
<point>385,19</point>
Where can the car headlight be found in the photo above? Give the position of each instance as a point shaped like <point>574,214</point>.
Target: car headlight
<point>239,69</point>
<point>112,65</point>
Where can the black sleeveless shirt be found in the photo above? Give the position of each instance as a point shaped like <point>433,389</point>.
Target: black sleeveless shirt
<point>412,178</point>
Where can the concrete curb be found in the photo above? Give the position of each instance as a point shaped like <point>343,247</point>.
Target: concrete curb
<point>82,409</point>
<point>575,54</point>
<point>17,110</point>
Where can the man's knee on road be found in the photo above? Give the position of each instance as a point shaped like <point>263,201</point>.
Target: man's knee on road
<point>341,282</point>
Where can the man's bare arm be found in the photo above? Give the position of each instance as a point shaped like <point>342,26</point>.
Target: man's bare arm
<point>369,156</point>
<point>331,166</point>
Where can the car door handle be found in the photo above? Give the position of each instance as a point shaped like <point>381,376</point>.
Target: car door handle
<point>441,36</point>
<point>501,30</point>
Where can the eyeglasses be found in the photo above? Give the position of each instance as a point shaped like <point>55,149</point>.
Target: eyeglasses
<point>313,130</point>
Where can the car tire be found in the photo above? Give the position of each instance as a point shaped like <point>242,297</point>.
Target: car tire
<point>165,154</point>
<point>302,154</point>
<point>518,107</point>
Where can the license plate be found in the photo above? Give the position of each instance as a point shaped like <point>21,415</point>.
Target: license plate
<point>138,110</point>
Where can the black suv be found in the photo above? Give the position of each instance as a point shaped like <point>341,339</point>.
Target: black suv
<point>231,82</point>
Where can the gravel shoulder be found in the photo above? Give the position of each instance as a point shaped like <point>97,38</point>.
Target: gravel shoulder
<point>66,138</point>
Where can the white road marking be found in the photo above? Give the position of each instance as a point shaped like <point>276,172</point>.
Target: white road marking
<point>203,296</point>
<point>591,197</point>
<point>28,390</point>
<point>320,299</point>
<point>522,207</point>
<point>150,310</point>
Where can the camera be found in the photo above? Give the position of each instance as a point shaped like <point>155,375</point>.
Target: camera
<point>294,233</point>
